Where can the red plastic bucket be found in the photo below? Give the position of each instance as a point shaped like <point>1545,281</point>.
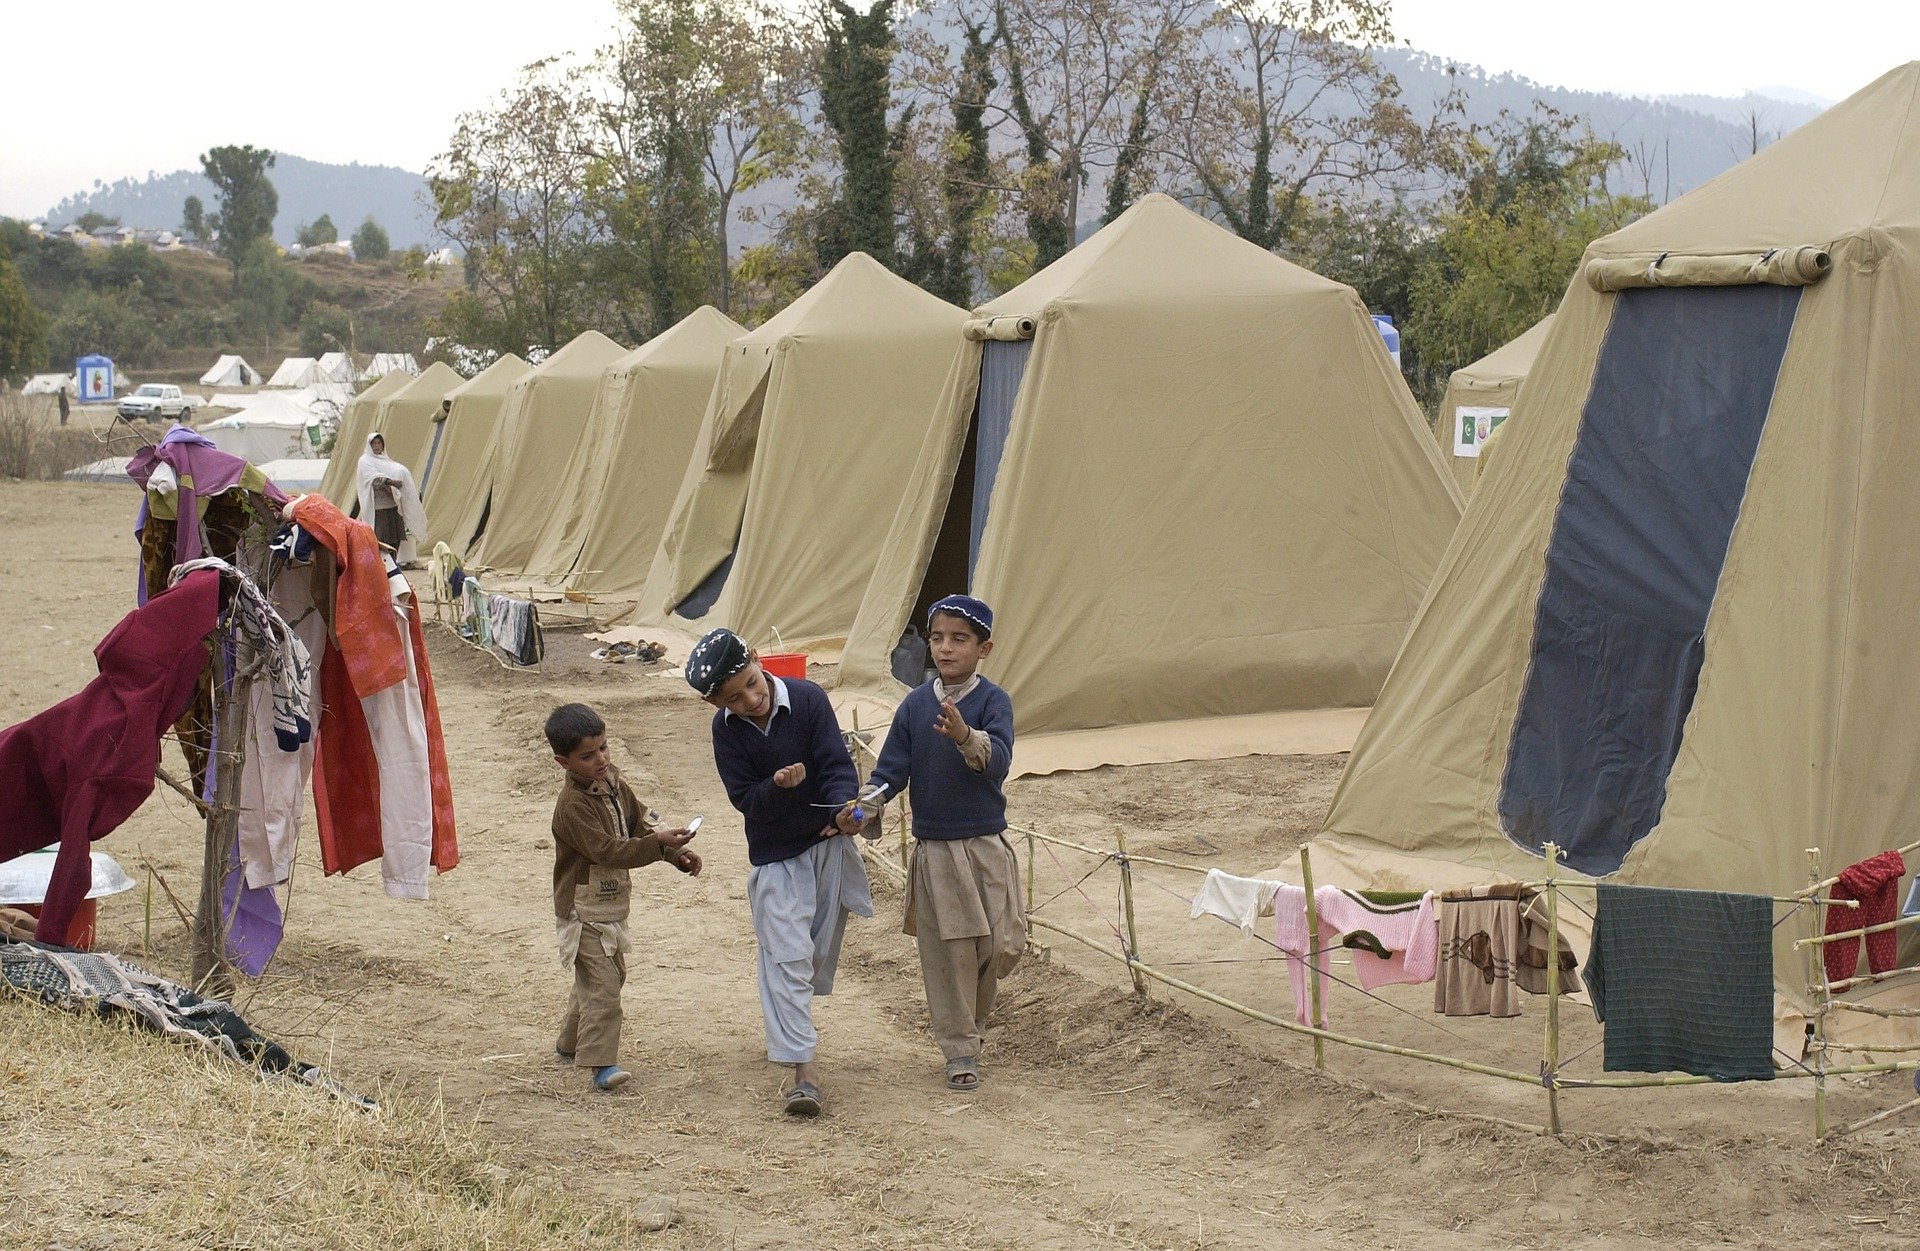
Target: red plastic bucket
<point>80,929</point>
<point>785,664</point>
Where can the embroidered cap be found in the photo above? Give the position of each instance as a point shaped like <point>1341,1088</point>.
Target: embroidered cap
<point>965,606</point>
<point>716,657</point>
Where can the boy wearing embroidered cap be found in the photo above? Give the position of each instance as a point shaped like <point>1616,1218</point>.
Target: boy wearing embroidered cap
<point>950,747</point>
<point>779,753</point>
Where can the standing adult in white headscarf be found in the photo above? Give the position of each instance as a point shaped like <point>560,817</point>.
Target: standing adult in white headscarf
<point>389,501</point>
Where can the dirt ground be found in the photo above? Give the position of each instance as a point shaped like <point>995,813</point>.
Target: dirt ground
<point>1105,1119</point>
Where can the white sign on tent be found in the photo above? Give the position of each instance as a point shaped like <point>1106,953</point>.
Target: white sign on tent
<point>1473,425</point>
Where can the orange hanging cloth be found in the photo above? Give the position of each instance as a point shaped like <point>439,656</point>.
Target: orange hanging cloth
<point>367,652</point>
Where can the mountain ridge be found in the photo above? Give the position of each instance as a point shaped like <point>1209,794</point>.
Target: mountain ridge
<point>1673,144</point>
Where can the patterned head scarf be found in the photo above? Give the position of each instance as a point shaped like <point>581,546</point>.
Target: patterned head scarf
<point>715,658</point>
<point>968,607</point>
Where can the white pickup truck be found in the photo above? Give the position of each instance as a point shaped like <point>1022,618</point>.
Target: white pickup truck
<point>153,401</point>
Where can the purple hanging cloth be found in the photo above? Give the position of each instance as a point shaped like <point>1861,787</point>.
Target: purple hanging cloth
<point>203,471</point>
<point>254,922</point>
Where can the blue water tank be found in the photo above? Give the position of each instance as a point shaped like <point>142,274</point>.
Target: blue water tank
<point>1389,335</point>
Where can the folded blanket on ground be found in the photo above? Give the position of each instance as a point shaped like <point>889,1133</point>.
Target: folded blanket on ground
<point>81,981</point>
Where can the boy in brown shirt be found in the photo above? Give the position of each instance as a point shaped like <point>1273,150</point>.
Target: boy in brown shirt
<point>600,832</point>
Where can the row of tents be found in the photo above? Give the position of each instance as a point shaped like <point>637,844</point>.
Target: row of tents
<point>1184,470</point>
<point>295,372</point>
<point>1671,634</point>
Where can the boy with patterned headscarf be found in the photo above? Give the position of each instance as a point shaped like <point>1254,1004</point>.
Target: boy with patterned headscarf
<point>779,753</point>
<point>950,747</point>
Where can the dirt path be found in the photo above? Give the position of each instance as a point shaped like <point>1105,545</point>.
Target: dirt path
<point>1105,1120</point>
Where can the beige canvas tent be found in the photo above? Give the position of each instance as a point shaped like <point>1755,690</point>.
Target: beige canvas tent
<point>1479,397</point>
<point>356,424</point>
<point>405,417</point>
<point>1194,489</point>
<point>1675,631</point>
<point>626,468</point>
<point>540,424</point>
<point>797,469</point>
<point>231,371</point>
<point>296,371</point>
<point>458,463</point>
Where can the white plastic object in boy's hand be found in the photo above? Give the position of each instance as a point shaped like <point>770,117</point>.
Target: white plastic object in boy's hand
<point>693,826</point>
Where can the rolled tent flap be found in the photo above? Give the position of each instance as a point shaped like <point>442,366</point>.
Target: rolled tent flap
<point>1780,267</point>
<point>737,429</point>
<point>1001,329</point>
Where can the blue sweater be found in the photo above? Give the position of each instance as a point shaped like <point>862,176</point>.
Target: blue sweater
<point>949,799</point>
<point>783,823</point>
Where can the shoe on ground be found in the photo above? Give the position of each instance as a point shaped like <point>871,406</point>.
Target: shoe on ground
<point>610,1077</point>
<point>803,1100</point>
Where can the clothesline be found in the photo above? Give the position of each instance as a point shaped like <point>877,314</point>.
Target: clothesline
<point>1829,883</point>
<point>1312,954</point>
<point>1560,883</point>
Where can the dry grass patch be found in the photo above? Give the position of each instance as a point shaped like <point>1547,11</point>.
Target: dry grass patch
<point>111,1138</point>
<point>34,446</point>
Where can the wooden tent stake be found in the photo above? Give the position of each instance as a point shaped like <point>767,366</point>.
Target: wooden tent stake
<point>1821,995</point>
<point>1550,1062</point>
<point>1126,898</point>
<point>1311,969</point>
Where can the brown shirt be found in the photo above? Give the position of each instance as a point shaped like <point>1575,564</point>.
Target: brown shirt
<point>600,830</point>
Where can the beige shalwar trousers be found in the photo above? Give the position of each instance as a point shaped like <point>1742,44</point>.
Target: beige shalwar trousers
<point>963,910</point>
<point>591,1030</point>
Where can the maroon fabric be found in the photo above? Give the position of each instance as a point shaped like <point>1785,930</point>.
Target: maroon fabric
<point>1874,882</point>
<point>76,771</point>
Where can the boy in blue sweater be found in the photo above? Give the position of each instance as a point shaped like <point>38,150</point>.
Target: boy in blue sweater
<point>779,752</point>
<point>950,747</point>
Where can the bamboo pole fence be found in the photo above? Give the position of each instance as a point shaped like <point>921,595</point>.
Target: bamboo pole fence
<point>1550,1076</point>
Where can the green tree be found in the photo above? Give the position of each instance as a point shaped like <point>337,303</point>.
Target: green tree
<point>325,328</point>
<point>946,183</point>
<point>89,321</point>
<point>267,287</point>
<point>313,234</point>
<point>133,267</point>
<point>248,201</point>
<point>644,181</point>
<point>23,346</point>
<point>855,88</point>
<point>1531,196</point>
<point>370,242</point>
<point>509,192</point>
<point>193,218</point>
<point>91,221</point>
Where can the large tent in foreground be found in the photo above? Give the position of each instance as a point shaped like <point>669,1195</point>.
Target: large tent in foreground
<point>457,463</point>
<point>796,472</point>
<point>1480,396</point>
<point>1197,494</point>
<point>1675,631</point>
<point>405,418</point>
<point>350,439</point>
<point>619,486</point>
<point>541,423</point>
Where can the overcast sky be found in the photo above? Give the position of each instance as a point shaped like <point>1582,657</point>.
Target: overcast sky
<point>114,88</point>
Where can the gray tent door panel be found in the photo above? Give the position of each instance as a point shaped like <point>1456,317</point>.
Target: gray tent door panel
<point>1680,395</point>
<point>701,598</point>
<point>433,452</point>
<point>1002,365</point>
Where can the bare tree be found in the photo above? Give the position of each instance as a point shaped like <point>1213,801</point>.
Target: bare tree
<point>1287,101</point>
